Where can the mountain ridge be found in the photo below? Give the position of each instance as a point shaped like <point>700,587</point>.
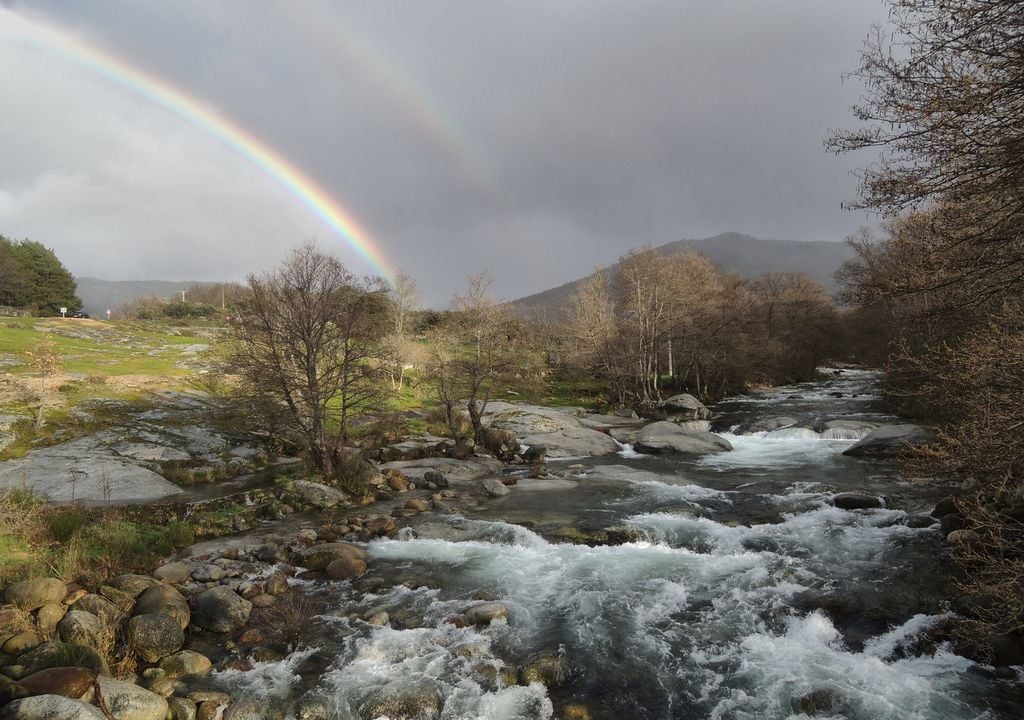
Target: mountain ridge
<point>731,251</point>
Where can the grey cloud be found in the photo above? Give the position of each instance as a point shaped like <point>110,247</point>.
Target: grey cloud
<point>535,139</point>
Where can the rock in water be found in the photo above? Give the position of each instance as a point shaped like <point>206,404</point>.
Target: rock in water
<point>667,437</point>
<point>890,440</point>
<point>404,700</point>
<point>856,501</point>
<point>680,408</point>
<point>494,487</point>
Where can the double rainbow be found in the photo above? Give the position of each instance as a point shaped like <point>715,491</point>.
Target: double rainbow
<point>207,119</point>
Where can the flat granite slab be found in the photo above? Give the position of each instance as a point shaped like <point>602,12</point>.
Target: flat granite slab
<point>80,471</point>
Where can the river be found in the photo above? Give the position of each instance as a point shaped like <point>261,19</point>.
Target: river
<point>739,592</point>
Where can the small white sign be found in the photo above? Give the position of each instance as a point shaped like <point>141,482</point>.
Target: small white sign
<point>63,312</point>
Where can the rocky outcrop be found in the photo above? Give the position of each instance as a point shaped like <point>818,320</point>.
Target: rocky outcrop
<point>573,442</point>
<point>667,437</point>
<point>890,440</point>
<point>563,434</point>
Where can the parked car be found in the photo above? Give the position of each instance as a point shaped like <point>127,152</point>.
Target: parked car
<point>79,314</point>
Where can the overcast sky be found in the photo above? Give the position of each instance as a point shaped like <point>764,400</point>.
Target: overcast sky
<point>536,139</point>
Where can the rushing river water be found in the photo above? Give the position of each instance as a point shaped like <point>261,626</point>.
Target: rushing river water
<point>741,592</point>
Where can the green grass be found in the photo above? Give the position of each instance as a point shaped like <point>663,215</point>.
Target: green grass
<point>111,349</point>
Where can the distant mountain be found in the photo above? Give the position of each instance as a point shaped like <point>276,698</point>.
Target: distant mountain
<point>742,254</point>
<point>98,295</point>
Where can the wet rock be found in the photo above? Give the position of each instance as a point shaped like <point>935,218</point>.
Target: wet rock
<point>435,478</point>
<point>493,487</point>
<point>856,501</point>
<point>667,437</point>
<point>345,568</point>
<point>952,523</point>
<point>418,505</point>
<point>550,668</point>
<point>319,557</point>
<point>576,711</point>
<point>379,618</point>
<point>134,585</point>
<point>164,600</point>
<point>889,441</point>
<point>174,573</point>
<point>29,595</point>
<point>269,553</point>
<point>318,496</point>
<point>57,653</point>
<point>211,710</point>
<point>814,703</point>
<point>404,700</point>
<point>79,626</point>
<point>276,583</point>
<point>920,521</point>
<point>766,425</point>
<point>484,613</point>
<point>220,609</point>
<point>70,682</point>
<point>154,636</point>
<point>127,701</point>
<point>680,408</point>
<point>380,526</point>
<point>50,707</point>
<point>946,506</point>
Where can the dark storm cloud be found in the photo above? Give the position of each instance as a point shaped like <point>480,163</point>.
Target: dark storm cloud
<point>535,139</point>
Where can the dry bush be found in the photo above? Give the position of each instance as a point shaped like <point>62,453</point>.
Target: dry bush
<point>291,618</point>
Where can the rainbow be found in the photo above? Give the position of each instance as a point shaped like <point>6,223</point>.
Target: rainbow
<point>207,119</point>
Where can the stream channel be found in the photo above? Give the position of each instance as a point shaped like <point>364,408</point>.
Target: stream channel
<point>740,591</point>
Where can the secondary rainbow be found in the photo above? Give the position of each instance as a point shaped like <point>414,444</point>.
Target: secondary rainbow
<point>208,119</point>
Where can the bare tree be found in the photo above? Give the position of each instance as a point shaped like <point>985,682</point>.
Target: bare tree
<point>308,336</point>
<point>403,301</point>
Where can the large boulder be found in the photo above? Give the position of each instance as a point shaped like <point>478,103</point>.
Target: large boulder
<point>50,707</point>
<point>29,595</point>
<point>317,495</point>
<point>856,501</point>
<point>571,442</point>
<point>493,487</point>
<point>71,682</point>
<point>220,609</point>
<point>523,420</point>
<point>485,612</point>
<point>163,600</point>
<point>319,557</point>
<point>681,408</point>
<point>154,636</point>
<point>769,424</point>
<point>127,701</point>
<point>667,437</point>
<point>890,440</point>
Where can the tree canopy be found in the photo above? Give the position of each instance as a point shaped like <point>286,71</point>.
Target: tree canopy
<point>31,276</point>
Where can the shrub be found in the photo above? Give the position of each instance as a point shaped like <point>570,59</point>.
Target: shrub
<point>65,523</point>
